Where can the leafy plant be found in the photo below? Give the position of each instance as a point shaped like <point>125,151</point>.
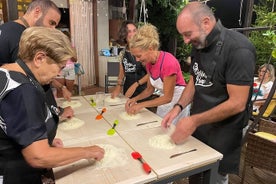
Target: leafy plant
<point>186,76</point>
<point>264,40</point>
<point>273,42</point>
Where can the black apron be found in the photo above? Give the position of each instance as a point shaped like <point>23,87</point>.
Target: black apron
<point>134,71</point>
<point>13,166</point>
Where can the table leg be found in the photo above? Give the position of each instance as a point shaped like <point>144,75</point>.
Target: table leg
<point>211,175</point>
<point>79,84</point>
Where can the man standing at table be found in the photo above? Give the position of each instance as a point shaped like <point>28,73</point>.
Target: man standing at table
<point>220,87</point>
<point>39,13</point>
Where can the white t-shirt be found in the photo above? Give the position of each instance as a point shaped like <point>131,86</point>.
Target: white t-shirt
<point>260,93</point>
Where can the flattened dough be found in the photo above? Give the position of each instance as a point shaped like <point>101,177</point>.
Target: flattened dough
<point>161,141</point>
<point>126,116</point>
<point>71,124</point>
<point>72,103</point>
<point>113,157</point>
<point>112,100</point>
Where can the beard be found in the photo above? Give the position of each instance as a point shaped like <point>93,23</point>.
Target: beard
<point>39,22</point>
<point>199,43</point>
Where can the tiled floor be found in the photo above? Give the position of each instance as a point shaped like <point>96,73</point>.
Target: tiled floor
<point>253,175</point>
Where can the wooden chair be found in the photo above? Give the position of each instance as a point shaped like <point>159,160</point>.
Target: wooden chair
<point>270,108</point>
<point>261,152</point>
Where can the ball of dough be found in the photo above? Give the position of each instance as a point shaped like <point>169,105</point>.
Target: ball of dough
<point>126,116</point>
<point>72,103</point>
<point>161,142</point>
<point>71,124</point>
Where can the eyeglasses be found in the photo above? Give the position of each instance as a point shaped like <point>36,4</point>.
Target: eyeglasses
<point>263,71</point>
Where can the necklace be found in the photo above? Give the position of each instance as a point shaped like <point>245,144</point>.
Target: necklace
<point>26,24</point>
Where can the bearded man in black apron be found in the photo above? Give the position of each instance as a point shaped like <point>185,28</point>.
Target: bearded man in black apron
<point>220,87</point>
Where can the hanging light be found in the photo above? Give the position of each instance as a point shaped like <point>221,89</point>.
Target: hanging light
<point>240,21</point>
<point>124,10</point>
<point>143,10</point>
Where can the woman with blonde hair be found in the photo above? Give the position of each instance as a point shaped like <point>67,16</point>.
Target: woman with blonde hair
<point>266,77</point>
<point>164,70</point>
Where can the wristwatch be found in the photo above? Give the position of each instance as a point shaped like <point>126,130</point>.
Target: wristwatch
<point>60,110</point>
<point>179,105</point>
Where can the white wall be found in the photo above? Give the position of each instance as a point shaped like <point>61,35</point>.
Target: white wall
<point>103,25</point>
<point>103,36</point>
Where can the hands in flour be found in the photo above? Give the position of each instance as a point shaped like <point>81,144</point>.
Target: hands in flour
<point>130,103</point>
<point>67,113</point>
<point>184,128</point>
<point>168,119</point>
<point>95,152</point>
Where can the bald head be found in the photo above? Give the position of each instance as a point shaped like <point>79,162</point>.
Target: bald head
<point>197,11</point>
<point>195,22</point>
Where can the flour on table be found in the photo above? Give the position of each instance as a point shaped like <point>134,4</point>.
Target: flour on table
<point>113,157</point>
<point>126,116</point>
<point>71,124</point>
<point>161,142</point>
<point>72,103</point>
<point>112,100</point>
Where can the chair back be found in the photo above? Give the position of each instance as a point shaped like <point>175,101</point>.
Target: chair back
<point>111,76</point>
<point>261,152</point>
<point>270,108</point>
<point>113,68</point>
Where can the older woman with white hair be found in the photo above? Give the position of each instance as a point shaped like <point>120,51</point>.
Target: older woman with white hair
<point>262,85</point>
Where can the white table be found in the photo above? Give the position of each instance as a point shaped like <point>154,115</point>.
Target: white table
<point>132,138</point>
<point>85,105</point>
<point>169,169</point>
<point>85,171</point>
<point>91,127</point>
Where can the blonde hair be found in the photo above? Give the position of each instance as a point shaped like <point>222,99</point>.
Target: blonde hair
<point>270,68</point>
<point>146,37</point>
<point>53,42</point>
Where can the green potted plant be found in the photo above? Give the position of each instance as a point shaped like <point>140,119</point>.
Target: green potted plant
<point>264,40</point>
